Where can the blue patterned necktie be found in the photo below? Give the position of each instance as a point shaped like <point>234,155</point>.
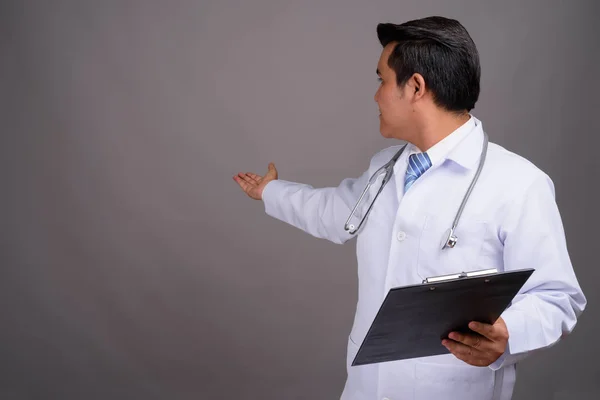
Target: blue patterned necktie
<point>417,164</point>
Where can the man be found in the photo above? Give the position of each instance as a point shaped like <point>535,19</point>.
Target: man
<point>429,71</point>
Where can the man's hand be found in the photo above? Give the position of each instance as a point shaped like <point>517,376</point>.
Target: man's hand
<point>480,349</point>
<point>253,184</point>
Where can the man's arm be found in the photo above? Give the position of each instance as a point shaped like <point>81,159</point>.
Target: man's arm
<point>320,212</point>
<point>548,305</point>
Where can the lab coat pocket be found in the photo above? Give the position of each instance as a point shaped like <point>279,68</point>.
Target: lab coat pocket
<point>434,261</point>
<point>452,381</point>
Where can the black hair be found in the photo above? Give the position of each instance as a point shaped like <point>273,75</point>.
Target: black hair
<point>442,51</point>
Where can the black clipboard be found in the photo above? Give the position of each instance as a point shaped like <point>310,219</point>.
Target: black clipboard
<point>413,320</point>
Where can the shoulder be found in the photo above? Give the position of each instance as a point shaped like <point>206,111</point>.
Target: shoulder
<point>517,173</point>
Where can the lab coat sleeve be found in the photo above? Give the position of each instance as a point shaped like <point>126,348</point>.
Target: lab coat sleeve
<point>548,305</point>
<point>320,212</point>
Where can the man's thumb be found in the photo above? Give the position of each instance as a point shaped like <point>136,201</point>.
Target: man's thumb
<point>272,171</point>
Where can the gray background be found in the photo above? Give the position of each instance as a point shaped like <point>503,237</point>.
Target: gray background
<point>132,265</point>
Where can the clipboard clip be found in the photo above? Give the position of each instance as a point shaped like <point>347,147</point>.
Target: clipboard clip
<point>443,278</point>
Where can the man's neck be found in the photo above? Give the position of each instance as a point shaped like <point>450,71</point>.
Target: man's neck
<point>437,127</point>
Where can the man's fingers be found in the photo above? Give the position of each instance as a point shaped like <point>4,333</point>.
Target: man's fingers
<point>253,184</point>
<point>251,181</point>
<point>465,353</point>
<point>480,348</point>
<point>243,184</point>
<point>486,330</point>
<point>256,178</point>
<point>461,349</point>
<point>472,340</point>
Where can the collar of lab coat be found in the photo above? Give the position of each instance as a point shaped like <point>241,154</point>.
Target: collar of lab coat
<point>439,152</point>
<point>468,151</point>
<point>465,154</point>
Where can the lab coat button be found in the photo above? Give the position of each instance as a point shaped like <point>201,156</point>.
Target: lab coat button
<point>401,236</point>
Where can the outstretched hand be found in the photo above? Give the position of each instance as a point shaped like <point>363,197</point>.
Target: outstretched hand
<point>253,184</point>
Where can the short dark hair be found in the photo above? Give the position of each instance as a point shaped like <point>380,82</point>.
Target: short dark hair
<point>441,50</point>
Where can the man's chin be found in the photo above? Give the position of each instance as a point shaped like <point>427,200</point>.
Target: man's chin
<point>388,133</point>
<point>384,133</point>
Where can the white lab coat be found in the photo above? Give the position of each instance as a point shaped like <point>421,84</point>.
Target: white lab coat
<point>511,221</point>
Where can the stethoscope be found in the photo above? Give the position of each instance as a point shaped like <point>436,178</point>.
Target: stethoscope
<point>388,169</point>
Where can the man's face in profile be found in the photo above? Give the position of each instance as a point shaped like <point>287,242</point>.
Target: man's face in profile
<point>393,102</point>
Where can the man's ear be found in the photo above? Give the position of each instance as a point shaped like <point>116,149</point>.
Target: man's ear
<point>418,85</point>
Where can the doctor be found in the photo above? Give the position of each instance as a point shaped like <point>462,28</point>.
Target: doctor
<point>429,72</point>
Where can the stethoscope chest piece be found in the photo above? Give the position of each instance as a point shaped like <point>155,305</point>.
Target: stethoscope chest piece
<point>449,239</point>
